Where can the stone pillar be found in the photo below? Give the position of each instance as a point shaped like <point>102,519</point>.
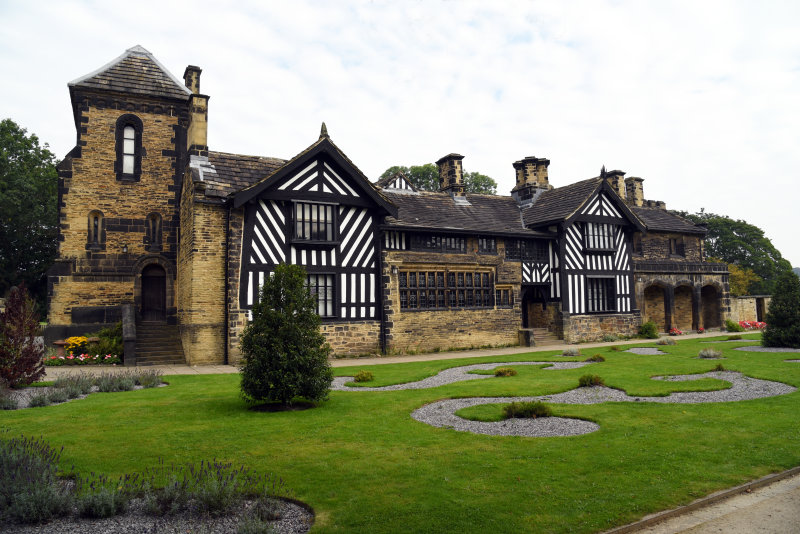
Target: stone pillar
<point>696,315</point>
<point>669,306</point>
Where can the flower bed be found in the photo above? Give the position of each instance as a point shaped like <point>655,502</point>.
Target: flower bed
<point>675,332</point>
<point>82,359</point>
<point>753,325</point>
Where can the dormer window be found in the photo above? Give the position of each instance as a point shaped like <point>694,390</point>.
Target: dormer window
<point>128,165</point>
<point>314,222</point>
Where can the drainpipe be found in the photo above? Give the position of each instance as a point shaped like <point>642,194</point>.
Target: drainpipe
<point>226,331</point>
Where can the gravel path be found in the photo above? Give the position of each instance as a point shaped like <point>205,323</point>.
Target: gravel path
<point>646,351</point>
<point>442,413</point>
<point>759,348</point>
<point>449,376</point>
<point>294,519</point>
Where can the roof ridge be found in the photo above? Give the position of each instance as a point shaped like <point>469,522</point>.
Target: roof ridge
<point>246,155</point>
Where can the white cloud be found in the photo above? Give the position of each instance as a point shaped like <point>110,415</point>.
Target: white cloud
<point>698,98</point>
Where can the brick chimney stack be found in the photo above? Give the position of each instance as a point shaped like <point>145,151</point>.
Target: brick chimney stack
<point>451,175</point>
<point>532,179</point>
<point>197,133</point>
<point>634,191</point>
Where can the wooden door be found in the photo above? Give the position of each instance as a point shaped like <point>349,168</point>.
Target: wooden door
<point>154,293</point>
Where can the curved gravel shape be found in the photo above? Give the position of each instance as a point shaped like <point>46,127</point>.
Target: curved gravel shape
<point>759,348</point>
<point>442,413</point>
<point>646,351</point>
<point>792,361</point>
<point>449,376</point>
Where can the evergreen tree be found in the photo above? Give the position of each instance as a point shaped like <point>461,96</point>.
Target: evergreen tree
<point>284,355</point>
<point>783,317</point>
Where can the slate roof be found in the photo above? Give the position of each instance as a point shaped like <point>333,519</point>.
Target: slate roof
<point>236,172</point>
<point>559,204</point>
<point>660,220</point>
<point>486,214</point>
<point>135,72</point>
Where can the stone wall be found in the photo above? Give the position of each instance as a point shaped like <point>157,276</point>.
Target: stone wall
<point>655,246</point>
<point>351,338</point>
<point>746,308</point>
<point>414,330</point>
<point>106,273</point>
<point>201,278</point>
<point>580,328</point>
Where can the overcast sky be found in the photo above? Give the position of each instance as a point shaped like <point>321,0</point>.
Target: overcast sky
<point>699,98</point>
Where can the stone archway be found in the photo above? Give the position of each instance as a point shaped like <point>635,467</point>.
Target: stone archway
<point>683,317</point>
<point>710,307</point>
<point>655,308</point>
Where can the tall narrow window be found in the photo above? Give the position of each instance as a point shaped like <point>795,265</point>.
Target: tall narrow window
<point>96,235</point>
<point>599,236</point>
<point>321,286</point>
<point>153,232</point>
<point>601,297</point>
<point>128,165</point>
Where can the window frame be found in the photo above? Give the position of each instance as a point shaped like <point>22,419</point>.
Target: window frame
<point>124,121</point>
<point>487,245</point>
<point>95,231</point>
<point>315,208</point>
<point>601,298</point>
<point>153,235</point>
<point>430,242</point>
<point>531,250</point>
<point>330,286</point>
<point>445,289</point>
<point>598,237</point>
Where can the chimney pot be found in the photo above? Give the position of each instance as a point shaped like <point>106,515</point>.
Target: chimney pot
<point>191,77</point>
<point>616,180</point>
<point>634,191</point>
<point>451,174</point>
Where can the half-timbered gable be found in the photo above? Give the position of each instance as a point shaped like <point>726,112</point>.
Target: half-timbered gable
<point>594,246</point>
<point>320,212</point>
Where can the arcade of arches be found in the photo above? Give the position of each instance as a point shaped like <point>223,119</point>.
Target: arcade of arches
<point>684,307</point>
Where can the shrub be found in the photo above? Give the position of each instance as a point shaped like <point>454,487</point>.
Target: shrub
<point>109,342</point>
<point>616,348</point>
<point>253,525</point>
<point>30,491</point>
<point>102,501</point>
<point>73,392</point>
<point>20,355</point>
<point>364,376</point>
<point>734,338</point>
<point>719,367</point>
<point>8,403</point>
<point>169,499</point>
<point>571,352</point>
<point>284,355</point>
<point>266,509</point>
<point>783,316</point>
<point>530,410</point>
<point>709,354</point>
<point>76,344</point>
<point>587,381</point>
<point>83,382</point>
<point>505,371</point>
<point>607,338</point>
<point>110,382</point>
<point>57,395</point>
<point>39,401</point>
<point>595,358</point>
<point>149,378</point>
<point>665,341</point>
<point>649,330</point>
<point>675,332</point>
<point>733,326</point>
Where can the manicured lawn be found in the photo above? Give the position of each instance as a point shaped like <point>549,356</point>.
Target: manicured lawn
<point>365,466</point>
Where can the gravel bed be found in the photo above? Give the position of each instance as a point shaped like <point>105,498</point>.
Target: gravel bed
<point>449,376</point>
<point>295,519</point>
<point>442,413</point>
<point>732,341</point>
<point>792,361</point>
<point>759,348</point>
<point>646,351</point>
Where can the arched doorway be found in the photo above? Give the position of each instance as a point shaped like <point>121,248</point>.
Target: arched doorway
<point>683,308</point>
<point>654,308</point>
<point>709,304</point>
<point>154,293</point>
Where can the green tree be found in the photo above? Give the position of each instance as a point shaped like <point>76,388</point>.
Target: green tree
<point>28,211</point>
<point>426,178</point>
<point>741,279</point>
<point>284,355</point>
<point>743,244</point>
<point>783,317</point>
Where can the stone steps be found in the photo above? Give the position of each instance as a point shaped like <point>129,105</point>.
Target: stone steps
<point>158,344</point>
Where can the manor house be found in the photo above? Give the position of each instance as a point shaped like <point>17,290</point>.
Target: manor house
<point>183,235</point>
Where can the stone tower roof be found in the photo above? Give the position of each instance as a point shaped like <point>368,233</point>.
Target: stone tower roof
<point>134,72</point>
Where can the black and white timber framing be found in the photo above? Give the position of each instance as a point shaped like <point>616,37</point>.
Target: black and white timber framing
<point>320,212</point>
<point>596,271</point>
